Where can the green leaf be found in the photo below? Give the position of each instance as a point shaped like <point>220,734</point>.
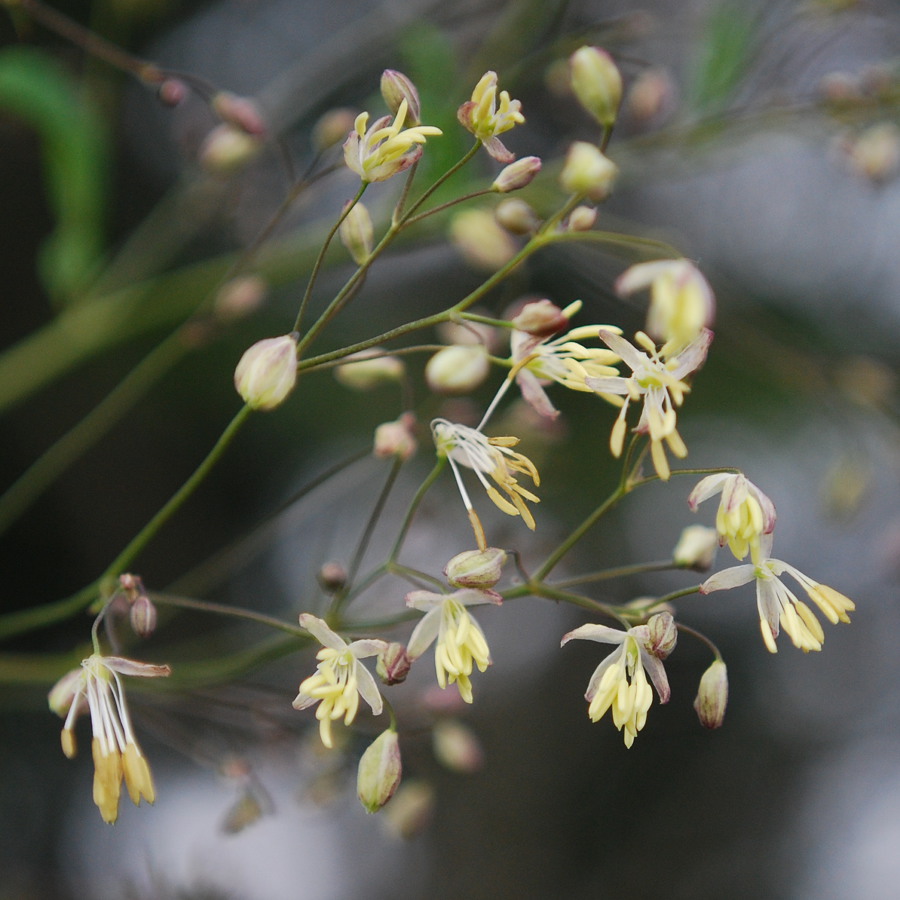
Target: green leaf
<point>723,56</point>
<point>75,154</point>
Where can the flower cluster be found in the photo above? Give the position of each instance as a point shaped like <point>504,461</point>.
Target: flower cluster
<point>745,521</point>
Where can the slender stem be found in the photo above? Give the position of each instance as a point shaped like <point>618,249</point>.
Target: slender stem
<point>424,487</point>
<point>341,596</point>
<point>234,612</point>
<point>618,572</point>
<point>317,265</point>
<point>448,205</point>
<point>91,43</point>
<point>554,558</point>
<point>177,500</point>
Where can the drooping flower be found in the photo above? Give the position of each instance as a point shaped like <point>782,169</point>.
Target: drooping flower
<point>386,148</point>
<point>95,687</point>
<point>620,681</point>
<point>659,384</point>
<point>482,116</point>
<point>494,457</point>
<point>745,513</point>
<point>538,360</point>
<point>682,303</point>
<point>461,643</point>
<point>778,606</point>
<point>340,678</point>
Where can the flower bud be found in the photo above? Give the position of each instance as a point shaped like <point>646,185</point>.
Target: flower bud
<point>516,216</point>
<point>332,576</point>
<point>582,218</point>
<point>411,810</point>
<point>267,372</point>
<point>357,233</point>
<point>396,438</point>
<point>393,664</point>
<point>517,175</point>
<point>663,635</point>
<point>143,616</point>
<point>171,92</point>
<point>239,297</point>
<point>469,333</point>
<point>597,83</point>
<point>395,88</point>
<point>875,153</point>
<point>227,149</point>
<point>379,771</point>
<point>457,369</point>
<point>332,128</point>
<point>587,172</point>
<point>479,569</point>
<point>712,695</point>
<point>540,318</point>
<point>456,747</point>
<point>651,96</point>
<point>369,369</point>
<point>240,112</point>
<point>696,548</point>
<point>483,243</point>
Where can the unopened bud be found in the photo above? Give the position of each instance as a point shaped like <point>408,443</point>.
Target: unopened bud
<point>517,175</point>
<point>457,369</point>
<point>875,153</point>
<point>663,635</point>
<point>393,664</point>
<point>411,809</point>
<point>396,438</point>
<point>332,576</point>
<point>380,770</point>
<point>227,149</point>
<point>479,569</point>
<point>481,240</point>
<point>651,96</point>
<point>456,747</point>
<point>357,233</point>
<point>239,297</point>
<point>696,548</point>
<point>712,695</point>
<point>332,128</point>
<point>267,372</point>
<point>587,172</point>
<point>540,318</point>
<point>582,218</point>
<point>143,616</point>
<point>395,88</point>
<point>171,92</point>
<point>469,333</point>
<point>241,112</point>
<point>369,369</point>
<point>516,216</point>
<point>597,83</point>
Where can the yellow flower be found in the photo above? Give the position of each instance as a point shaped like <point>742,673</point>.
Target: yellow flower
<point>620,682</point>
<point>682,303</point>
<point>482,116</point>
<point>487,457</point>
<point>340,678</point>
<point>745,513</point>
<point>97,688</point>
<point>778,605</point>
<point>461,644</point>
<point>658,383</point>
<point>379,152</point>
<point>538,360</point>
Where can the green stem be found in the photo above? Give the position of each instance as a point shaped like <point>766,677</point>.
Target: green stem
<point>177,500</point>
<point>618,572</point>
<point>235,612</point>
<point>424,487</point>
<point>554,558</point>
<point>317,265</point>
